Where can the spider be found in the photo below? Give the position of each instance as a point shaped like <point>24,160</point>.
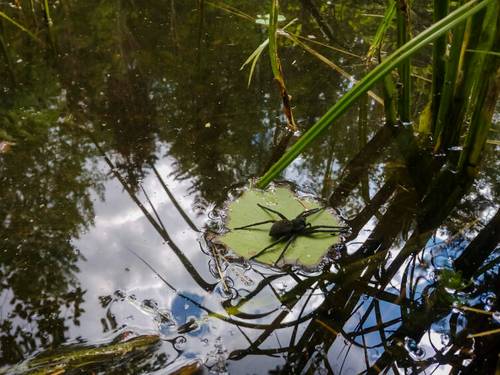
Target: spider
<point>288,230</point>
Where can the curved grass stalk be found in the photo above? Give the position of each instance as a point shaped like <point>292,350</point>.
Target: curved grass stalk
<point>382,29</point>
<point>276,65</point>
<point>482,51</point>
<point>452,67</point>
<point>404,69</point>
<point>441,9</point>
<point>253,58</point>
<point>19,26</point>
<point>328,62</point>
<point>231,10</point>
<point>392,61</point>
<point>336,49</point>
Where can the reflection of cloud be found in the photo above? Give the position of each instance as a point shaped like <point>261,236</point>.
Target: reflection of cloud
<point>120,225</point>
<point>109,267</point>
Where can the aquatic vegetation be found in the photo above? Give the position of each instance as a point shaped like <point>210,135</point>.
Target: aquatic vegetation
<point>120,154</point>
<point>399,58</point>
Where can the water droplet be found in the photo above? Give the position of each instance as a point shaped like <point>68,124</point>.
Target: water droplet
<point>415,350</point>
<point>445,339</point>
<point>496,317</point>
<point>490,300</point>
<point>180,343</point>
<point>285,308</point>
<point>281,288</point>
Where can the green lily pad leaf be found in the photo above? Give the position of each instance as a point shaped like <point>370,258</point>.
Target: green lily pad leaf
<point>304,250</point>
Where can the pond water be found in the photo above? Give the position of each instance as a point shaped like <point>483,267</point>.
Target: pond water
<point>123,142</point>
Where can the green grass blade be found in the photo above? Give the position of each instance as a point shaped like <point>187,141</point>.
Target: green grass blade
<point>273,40</point>
<point>441,8</point>
<point>404,69</point>
<point>449,84</point>
<point>325,60</point>
<point>231,10</point>
<point>253,58</point>
<point>483,92</point>
<point>485,52</point>
<point>381,31</point>
<point>19,26</point>
<point>392,61</point>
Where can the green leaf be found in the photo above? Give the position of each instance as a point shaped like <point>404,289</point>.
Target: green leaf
<point>304,250</point>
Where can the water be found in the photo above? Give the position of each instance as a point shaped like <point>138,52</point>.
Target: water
<point>120,149</point>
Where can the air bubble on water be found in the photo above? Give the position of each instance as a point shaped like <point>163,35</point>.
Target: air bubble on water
<point>415,350</point>
<point>456,308</point>
<point>496,317</point>
<point>449,290</point>
<point>489,301</point>
<point>445,339</point>
<point>180,343</point>
<point>285,308</point>
<point>281,287</point>
<point>466,362</point>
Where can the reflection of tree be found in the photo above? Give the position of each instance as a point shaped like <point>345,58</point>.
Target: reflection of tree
<point>44,203</point>
<point>355,312</point>
<point>144,88</point>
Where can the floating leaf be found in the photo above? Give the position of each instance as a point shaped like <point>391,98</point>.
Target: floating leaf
<point>304,250</point>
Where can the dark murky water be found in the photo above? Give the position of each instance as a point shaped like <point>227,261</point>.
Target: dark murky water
<point>144,103</point>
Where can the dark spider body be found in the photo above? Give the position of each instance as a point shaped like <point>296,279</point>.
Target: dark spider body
<point>288,230</point>
<point>286,227</point>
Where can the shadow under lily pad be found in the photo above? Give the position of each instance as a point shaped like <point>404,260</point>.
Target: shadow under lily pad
<point>304,250</point>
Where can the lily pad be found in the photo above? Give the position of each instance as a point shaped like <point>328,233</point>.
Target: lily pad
<point>304,250</point>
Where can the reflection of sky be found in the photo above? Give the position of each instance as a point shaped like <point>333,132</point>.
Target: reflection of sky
<point>109,267</point>
<point>120,225</point>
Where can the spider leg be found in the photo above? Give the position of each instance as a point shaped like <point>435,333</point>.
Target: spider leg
<point>267,247</point>
<point>340,228</point>
<point>287,245</point>
<point>283,217</point>
<point>255,224</point>
<point>310,212</point>
<point>313,230</point>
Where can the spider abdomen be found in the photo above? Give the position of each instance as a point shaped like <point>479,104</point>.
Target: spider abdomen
<point>281,228</point>
<point>286,228</point>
